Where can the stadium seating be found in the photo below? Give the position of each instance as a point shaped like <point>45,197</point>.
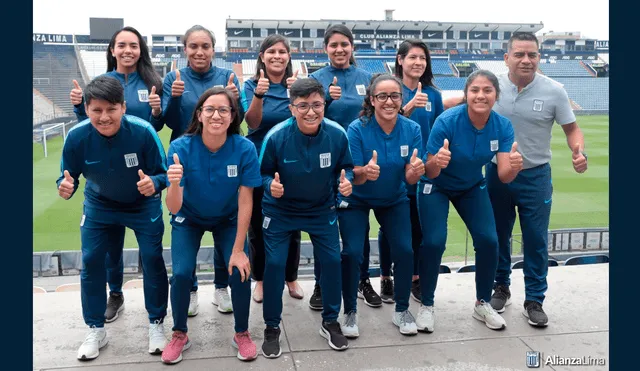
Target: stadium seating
<point>43,108</point>
<point>520,264</point>
<point>467,269</point>
<point>589,93</point>
<point>95,62</point>
<point>497,67</point>
<point>444,269</point>
<point>564,69</point>
<point>372,65</point>
<point>441,67</point>
<point>450,83</point>
<point>587,259</point>
<point>54,67</point>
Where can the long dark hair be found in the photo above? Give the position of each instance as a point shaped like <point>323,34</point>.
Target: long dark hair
<point>195,127</point>
<point>427,76</point>
<point>367,108</point>
<point>342,30</point>
<point>144,67</point>
<point>268,42</point>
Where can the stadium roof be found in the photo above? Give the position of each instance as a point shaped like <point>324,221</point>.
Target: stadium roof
<point>385,25</point>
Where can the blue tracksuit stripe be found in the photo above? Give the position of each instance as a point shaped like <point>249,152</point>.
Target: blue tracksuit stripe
<point>275,129</point>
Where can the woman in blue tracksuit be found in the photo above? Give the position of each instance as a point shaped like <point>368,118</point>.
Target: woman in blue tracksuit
<point>123,162</point>
<point>128,61</point>
<point>422,104</point>
<point>345,88</point>
<point>462,141</point>
<point>386,153</point>
<point>182,88</point>
<point>212,170</point>
<point>267,95</point>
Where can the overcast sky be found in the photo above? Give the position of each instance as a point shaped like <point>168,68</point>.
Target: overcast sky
<point>171,17</point>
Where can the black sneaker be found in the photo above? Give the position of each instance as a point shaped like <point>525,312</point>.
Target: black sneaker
<point>501,298</point>
<point>536,315</point>
<point>115,305</point>
<point>416,294</point>
<point>315,302</point>
<point>370,296</point>
<point>386,290</point>
<point>332,332</point>
<point>271,344</point>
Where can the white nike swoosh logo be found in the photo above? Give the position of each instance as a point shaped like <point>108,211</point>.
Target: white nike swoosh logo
<point>431,34</point>
<point>288,33</point>
<point>477,35</point>
<point>237,32</point>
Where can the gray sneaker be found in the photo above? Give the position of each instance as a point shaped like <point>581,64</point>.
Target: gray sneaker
<point>501,298</point>
<point>405,322</point>
<point>349,325</point>
<point>115,305</point>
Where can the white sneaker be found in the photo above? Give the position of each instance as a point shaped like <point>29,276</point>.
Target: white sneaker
<point>193,304</point>
<point>349,325</point>
<point>222,299</point>
<point>157,340</point>
<point>95,339</point>
<point>426,320</point>
<point>484,312</point>
<point>405,322</point>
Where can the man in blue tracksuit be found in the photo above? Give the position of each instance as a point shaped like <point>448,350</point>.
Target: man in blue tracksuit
<point>303,161</point>
<point>123,161</point>
<point>532,102</point>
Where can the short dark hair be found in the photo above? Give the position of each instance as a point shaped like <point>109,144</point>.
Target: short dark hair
<point>303,88</point>
<point>427,76</point>
<point>104,88</point>
<point>478,73</point>
<point>344,31</point>
<point>195,127</point>
<point>268,42</point>
<point>522,36</point>
<point>197,28</point>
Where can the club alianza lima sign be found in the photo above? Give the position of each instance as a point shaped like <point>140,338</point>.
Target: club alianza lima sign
<point>52,38</point>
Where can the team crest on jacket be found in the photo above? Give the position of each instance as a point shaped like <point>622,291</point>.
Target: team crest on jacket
<point>232,171</point>
<point>404,151</point>
<point>131,159</point>
<point>325,160</point>
<point>143,95</point>
<point>537,105</point>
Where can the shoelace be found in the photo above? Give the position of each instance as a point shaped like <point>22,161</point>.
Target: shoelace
<point>501,293</point>
<point>271,334</point>
<point>333,327</point>
<point>367,288</point>
<point>93,335</point>
<point>243,336</point>
<point>112,302</point>
<point>156,329</point>
<point>193,299</point>
<point>177,337</point>
<point>350,320</point>
<point>535,306</point>
<point>387,285</point>
<point>316,290</point>
<point>406,317</point>
<point>488,308</point>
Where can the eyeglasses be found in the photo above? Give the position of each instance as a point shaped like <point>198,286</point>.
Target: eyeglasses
<point>304,107</point>
<point>223,111</point>
<point>382,97</point>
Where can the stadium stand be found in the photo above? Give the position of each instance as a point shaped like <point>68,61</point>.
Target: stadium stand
<point>43,108</point>
<point>441,67</point>
<point>450,83</point>
<point>496,67</point>
<point>564,69</point>
<point>372,65</point>
<point>95,62</point>
<point>54,67</point>
<point>589,94</point>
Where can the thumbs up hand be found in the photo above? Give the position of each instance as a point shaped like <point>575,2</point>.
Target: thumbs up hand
<point>420,99</point>
<point>515,158</point>
<point>174,174</point>
<point>334,90</point>
<point>177,88</point>
<point>443,156</point>
<point>76,94</point>
<point>65,189</point>
<point>231,87</point>
<point>277,189</point>
<point>345,186</point>
<point>263,84</point>
<point>155,102</point>
<point>372,168</point>
<point>145,185</point>
<point>417,166</point>
<point>578,159</point>
<point>292,79</point>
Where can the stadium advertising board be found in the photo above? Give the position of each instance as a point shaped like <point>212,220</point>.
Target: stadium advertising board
<point>52,38</point>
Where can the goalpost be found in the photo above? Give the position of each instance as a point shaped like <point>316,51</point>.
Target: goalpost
<point>52,130</point>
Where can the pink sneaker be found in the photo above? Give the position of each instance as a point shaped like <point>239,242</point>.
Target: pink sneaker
<point>172,353</point>
<point>246,347</point>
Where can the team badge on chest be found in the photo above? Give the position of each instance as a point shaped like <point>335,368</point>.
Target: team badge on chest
<point>325,160</point>
<point>404,151</point>
<point>538,105</point>
<point>131,159</point>
<point>494,145</point>
<point>232,171</point>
